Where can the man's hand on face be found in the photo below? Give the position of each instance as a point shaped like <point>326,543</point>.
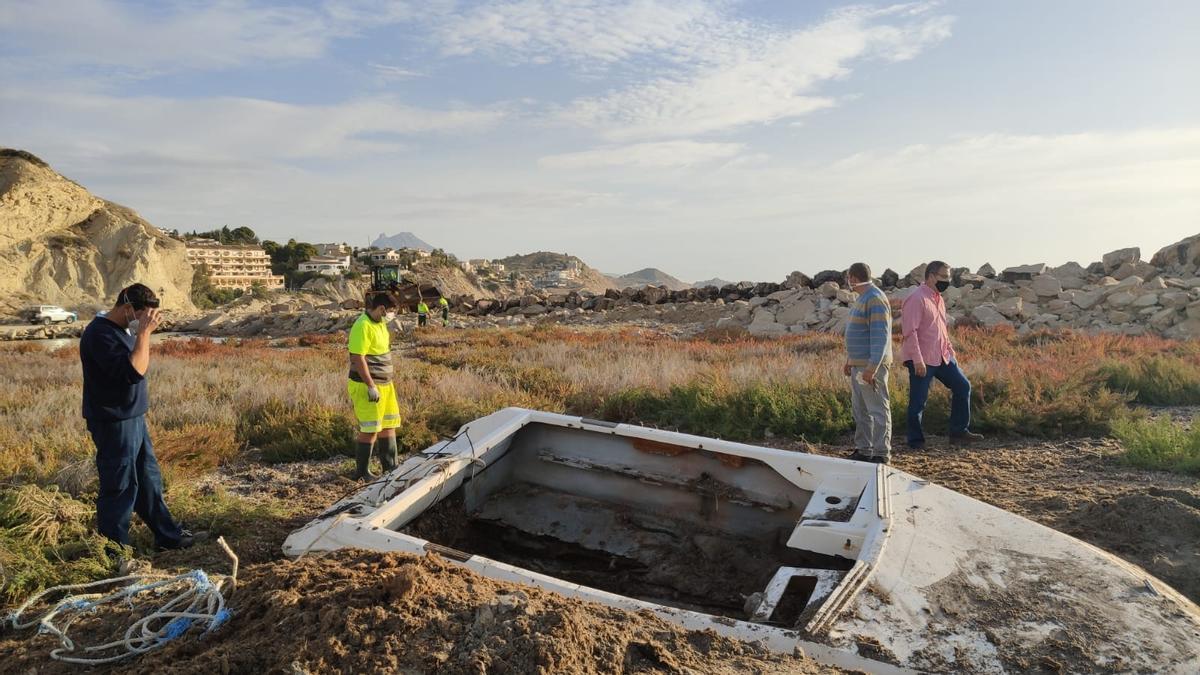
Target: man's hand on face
<point>149,321</point>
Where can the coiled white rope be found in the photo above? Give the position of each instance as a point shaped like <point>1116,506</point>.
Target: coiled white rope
<point>192,599</point>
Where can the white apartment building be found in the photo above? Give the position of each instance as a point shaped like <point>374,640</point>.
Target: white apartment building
<point>233,266</point>
<point>330,266</point>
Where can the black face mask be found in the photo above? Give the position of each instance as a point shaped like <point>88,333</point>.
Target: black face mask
<point>942,286</point>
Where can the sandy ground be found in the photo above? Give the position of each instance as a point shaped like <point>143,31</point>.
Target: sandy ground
<point>369,612</point>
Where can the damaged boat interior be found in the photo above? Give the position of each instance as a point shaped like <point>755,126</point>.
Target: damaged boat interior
<point>684,527</point>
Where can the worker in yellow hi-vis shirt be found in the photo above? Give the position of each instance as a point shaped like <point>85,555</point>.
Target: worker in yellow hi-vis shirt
<point>444,304</point>
<point>371,388</point>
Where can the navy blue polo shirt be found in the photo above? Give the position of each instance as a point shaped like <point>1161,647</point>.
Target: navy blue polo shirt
<point>113,389</point>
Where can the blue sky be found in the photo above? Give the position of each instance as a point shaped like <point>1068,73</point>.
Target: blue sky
<point>723,138</point>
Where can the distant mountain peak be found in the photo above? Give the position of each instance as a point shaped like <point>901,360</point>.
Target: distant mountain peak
<point>401,240</point>
<point>651,276</point>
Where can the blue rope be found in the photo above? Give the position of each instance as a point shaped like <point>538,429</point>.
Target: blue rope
<point>218,619</point>
<point>178,626</point>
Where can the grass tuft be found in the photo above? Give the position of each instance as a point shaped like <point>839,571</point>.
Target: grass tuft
<point>46,539</point>
<point>1157,380</point>
<point>291,432</point>
<point>1160,444</point>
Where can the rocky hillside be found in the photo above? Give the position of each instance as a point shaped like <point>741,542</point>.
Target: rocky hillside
<point>650,276</point>
<point>60,244</point>
<point>531,265</point>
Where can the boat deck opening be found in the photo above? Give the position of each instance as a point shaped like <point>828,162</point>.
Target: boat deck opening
<point>669,525</point>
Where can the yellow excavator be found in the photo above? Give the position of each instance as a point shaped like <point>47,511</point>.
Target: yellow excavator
<point>388,280</point>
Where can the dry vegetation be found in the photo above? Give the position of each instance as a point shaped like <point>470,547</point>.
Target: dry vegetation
<point>254,401</point>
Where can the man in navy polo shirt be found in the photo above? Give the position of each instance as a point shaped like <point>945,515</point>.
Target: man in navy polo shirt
<point>115,351</point>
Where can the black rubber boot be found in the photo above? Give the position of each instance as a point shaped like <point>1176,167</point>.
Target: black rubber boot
<point>387,452</point>
<point>362,460</point>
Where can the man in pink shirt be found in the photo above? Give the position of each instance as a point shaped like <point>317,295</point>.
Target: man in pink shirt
<point>928,355</point>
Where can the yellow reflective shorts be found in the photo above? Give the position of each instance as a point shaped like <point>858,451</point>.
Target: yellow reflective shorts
<point>374,417</point>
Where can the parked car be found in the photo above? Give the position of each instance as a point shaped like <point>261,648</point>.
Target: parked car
<point>48,314</point>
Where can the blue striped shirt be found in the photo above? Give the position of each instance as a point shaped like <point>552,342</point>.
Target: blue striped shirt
<point>869,330</point>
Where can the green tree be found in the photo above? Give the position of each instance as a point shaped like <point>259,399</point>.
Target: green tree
<point>236,236</point>
<point>204,294</point>
<point>286,259</point>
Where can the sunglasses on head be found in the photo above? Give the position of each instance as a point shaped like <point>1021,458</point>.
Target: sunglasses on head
<point>123,299</point>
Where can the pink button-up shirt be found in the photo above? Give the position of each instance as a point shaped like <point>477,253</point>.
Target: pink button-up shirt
<point>923,321</point>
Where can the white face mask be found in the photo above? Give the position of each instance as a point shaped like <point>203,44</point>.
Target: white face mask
<point>133,323</point>
<point>389,316</point>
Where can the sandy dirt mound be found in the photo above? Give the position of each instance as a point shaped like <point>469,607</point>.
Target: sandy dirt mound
<point>358,611</point>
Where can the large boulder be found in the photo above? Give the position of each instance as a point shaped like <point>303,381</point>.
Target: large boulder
<point>1011,308</point>
<point>987,271</point>
<point>989,316</point>
<point>827,276</point>
<point>1184,330</point>
<point>1088,299</point>
<point>654,295</point>
<point>1115,259</point>
<point>1046,286</point>
<point>971,280</point>
<point>796,312</point>
<point>1022,272</point>
<point>1140,269</point>
<point>797,280</point>
<point>1120,299</point>
<point>765,325</point>
<point>1184,253</point>
<point>889,279</point>
<point>828,290</point>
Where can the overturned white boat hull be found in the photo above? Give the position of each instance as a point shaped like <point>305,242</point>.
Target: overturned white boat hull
<point>857,565</point>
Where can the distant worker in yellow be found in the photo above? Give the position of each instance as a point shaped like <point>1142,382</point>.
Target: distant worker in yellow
<point>445,305</point>
<point>422,313</point>
<point>370,386</point>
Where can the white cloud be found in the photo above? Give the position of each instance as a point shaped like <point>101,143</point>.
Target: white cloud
<point>666,154</point>
<point>104,33</point>
<point>761,81</point>
<point>388,72</point>
<point>217,129</point>
<point>587,31</point>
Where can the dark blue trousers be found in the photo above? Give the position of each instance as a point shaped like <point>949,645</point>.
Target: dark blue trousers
<point>129,482</point>
<point>950,375</point>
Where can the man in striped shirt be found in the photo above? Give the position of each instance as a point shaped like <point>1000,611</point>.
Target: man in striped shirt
<point>868,355</point>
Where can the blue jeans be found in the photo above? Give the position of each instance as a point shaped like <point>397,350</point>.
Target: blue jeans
<point>918,393</point>
<point>129,482</point>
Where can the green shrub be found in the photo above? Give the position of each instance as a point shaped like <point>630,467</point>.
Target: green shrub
<point>1160,444</point>
<point>712,407</point>
<point>47,539</point>
<point>290,432</point>
<point>1156,380</point>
